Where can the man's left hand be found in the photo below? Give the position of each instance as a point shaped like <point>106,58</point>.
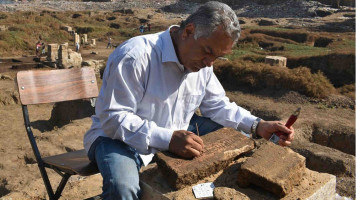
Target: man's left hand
<point>265,129</point>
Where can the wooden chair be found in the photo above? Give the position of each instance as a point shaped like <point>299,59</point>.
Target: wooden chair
<point>48,86</point>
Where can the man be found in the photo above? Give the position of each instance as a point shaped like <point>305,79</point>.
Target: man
<point>152,85</point>
<point>109,43</point>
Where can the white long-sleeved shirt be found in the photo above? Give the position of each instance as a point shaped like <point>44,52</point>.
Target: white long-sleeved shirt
<point>147,94</point>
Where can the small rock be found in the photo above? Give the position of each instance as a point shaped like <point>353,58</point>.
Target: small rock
<point>224,193</point>
<point>6,77</point>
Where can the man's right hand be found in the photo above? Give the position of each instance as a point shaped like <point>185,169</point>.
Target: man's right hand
<point>186,144</point>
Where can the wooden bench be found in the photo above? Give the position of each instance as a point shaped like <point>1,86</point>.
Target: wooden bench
<point>49,86</point>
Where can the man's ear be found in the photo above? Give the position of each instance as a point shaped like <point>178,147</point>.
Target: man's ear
<point>188,31</point>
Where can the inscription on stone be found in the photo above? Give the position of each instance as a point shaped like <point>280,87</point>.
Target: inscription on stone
<point>221,147</point>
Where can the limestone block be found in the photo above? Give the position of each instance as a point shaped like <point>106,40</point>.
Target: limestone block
<point>93,42</point>
<point>76,38</point>
<point>3,28</point>
<point>52,54</point>
<point>63,56</point>
<point>274,168</point>
<point>221,148</point>
<point>67,28</point>
<point>85,38</point>
<point>276,61</point>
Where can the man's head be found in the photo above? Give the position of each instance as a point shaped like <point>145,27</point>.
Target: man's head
<point>207,34</point>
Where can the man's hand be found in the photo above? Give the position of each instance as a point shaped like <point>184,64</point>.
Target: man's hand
<point>186,144</point>
<point>265,129</point>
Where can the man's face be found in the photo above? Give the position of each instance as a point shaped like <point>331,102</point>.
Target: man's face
<point>200,53</point>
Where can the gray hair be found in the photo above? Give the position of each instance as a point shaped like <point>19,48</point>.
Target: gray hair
<point>210,16</point>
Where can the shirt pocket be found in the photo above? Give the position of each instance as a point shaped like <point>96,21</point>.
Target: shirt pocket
<point>191,103</point>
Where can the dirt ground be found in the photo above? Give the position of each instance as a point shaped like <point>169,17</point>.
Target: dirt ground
<point>21,179</point>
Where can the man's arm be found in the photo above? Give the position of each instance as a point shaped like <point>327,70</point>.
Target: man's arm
<point>217,107</point>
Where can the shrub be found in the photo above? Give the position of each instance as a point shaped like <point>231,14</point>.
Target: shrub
<point>3,16</point>
<point>115,25</point>
<point>84,30</point>
<point>261,76</point>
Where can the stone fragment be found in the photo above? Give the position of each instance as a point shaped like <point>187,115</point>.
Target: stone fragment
<point>276,61</point>
<point>74,59</point>
<point>274,168</point>
<point>221,148</point>
<point>224,193</point>
<point>93,42</point>
<point>6,77</point>
<point>3,28</point>
<point>314,186</point>
<point>67,28</point>
<point>98,65</point>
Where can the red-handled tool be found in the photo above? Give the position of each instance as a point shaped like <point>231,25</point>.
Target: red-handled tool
<point>275,137</point>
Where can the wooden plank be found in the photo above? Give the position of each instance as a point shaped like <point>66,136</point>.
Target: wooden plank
<point>47,86</point>
<point>75,162</point>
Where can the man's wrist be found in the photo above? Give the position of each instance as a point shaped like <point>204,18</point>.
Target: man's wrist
<point>254,129</point>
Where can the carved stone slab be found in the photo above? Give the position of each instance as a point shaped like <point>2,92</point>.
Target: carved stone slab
<point>274,168</point>
<point>221,147</point>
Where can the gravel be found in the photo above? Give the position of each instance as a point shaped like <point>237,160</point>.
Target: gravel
<point>243,8</point>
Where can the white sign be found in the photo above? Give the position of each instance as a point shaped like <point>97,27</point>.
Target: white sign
<point>203,190</point>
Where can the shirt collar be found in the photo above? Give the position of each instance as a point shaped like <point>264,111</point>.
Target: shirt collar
<point>168,52</point>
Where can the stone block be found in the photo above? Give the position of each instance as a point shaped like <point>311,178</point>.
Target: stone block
<point>313,186</point>
<point>85,38</point>
<point>276,61</point>
<point>3,28</point>
<point>93,42</point>
<point>221,148</point>
<point>52,54</point>
<point>274,168</point>
<point>63,55</point>
<point>67,28</point>
<point>76,38</point>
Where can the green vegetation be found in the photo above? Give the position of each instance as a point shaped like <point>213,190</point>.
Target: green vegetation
<point>300,50</point>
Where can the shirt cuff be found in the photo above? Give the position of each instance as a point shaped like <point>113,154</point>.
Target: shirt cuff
<point>246,123</point>
<point>160,138</point>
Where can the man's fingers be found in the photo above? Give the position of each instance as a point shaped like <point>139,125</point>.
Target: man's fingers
<point>193,152</point>
<point>283,128</point>
<point>198,140</point>
<point>196,146</point>
<point>284,142</point>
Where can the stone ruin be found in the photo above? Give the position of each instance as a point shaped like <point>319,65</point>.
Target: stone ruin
<point>68,58</point>
<point>60,56</point>
<point>236,166</point>
<point>276,61</point>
